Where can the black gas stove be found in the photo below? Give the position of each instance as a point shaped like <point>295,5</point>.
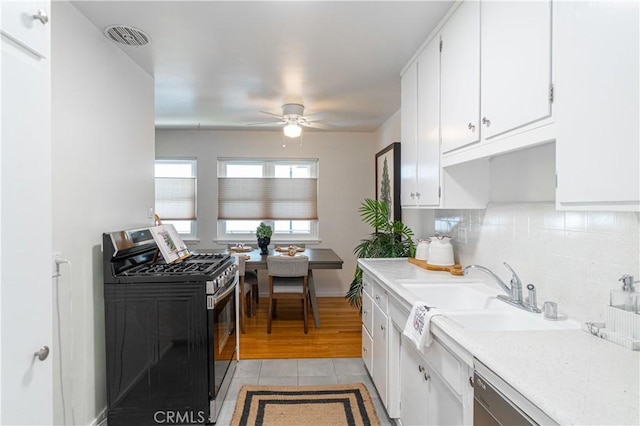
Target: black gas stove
<point>132,256</point>
<point>170,331</point>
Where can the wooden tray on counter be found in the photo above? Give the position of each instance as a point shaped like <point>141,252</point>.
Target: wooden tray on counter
<point>453,269</point>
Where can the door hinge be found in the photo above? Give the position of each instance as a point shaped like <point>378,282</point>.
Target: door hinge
<point>551,93</point>
<point>556,181</point>
<point>441,45</point>
<point>439,191</point>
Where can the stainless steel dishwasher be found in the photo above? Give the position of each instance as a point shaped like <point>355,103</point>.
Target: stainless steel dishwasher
<point>496,403</point>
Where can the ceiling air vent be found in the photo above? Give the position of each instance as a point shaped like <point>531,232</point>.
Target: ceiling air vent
<point>126,35</point>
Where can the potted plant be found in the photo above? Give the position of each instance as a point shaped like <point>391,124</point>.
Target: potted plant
<point>389,239</point>
<point>264,232</point>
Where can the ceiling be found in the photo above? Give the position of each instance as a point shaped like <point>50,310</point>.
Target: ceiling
<point>217,64</point>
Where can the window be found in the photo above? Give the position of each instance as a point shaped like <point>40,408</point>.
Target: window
<point>281,193</point>
<point>176,194</point>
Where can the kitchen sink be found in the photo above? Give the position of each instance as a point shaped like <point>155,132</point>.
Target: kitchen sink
<point>509,319</point>
<point>456,296</point>
<point>474,306</point>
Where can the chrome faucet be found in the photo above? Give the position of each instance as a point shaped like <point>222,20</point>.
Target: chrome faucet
<point>514,290</point>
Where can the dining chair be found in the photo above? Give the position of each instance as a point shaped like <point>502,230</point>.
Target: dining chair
<point>251,277</point>
<point>288,279</point>
<point>248,280</point>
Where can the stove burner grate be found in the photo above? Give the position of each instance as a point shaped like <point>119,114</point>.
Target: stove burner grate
<point>182,268</point>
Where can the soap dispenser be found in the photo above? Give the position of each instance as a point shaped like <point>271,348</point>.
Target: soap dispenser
<point>626,298</point>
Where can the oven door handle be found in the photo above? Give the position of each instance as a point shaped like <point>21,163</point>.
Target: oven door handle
<point>224,294</point>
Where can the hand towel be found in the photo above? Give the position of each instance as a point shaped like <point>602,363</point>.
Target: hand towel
<point>417,327</point>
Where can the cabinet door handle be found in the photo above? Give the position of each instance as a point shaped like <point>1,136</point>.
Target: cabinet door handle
<point>41,16</point>
<point>364,349</point>
<point>426,377</point>
<point>418,194</point>
<point>486,121</point>
<point>412,195</point>
<point>365,312</point>
<point>382,327</point>
<point>471,127</point>
<point>42,354</point>
<point>420,368</point>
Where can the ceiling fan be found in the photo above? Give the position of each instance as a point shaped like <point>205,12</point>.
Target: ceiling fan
<point>293,120</point>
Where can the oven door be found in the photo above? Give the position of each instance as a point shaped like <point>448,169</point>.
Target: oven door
<point>222,344</point>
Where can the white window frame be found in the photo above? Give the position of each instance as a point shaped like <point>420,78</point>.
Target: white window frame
<point>193,224</point>
<point>268,168</point>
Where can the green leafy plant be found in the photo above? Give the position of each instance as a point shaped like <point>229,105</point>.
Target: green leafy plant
<point>264,231</point>
<point>389,239</point>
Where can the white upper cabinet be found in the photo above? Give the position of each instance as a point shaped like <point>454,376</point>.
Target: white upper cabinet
<point>420,127</point>
<point>496,79</point>
<point>597,109</point>
<point>460,78</point>
<point>409,134</point>
<point>516,64</point>
<point>26,23</point>
<point>428,167</point>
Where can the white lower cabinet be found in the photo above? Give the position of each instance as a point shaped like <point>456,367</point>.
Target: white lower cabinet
<point>367,349</point>
<point>367,325</point>
<point>380,360</point>
<point>427,398</point>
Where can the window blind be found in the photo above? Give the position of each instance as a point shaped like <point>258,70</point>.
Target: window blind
<point>176,198</point>
<point>267,198</point>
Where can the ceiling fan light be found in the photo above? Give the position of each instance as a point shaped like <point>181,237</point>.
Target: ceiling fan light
<point>292,130</point>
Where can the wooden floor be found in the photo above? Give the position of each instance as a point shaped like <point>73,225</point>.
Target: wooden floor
<point>339,335</point>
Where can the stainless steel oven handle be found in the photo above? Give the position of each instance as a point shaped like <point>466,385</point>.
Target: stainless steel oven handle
<point>225,293</point>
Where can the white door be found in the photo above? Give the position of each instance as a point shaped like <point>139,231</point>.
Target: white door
<point>428,167</point>
<point>379,361</point>
<point>25,216</point>
<point>413,386</point>
<point>516,64</point>
<point>460,77</point>
<point>408,130</point>
<point>597,146</point>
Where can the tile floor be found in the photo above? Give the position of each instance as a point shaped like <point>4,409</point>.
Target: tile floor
<point>299,372</point>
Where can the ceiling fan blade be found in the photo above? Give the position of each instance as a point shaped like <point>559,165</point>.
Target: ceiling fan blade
<point>318,125</point>
<point>266,123</point>
<point>272,114</point>
<point>315,116</point>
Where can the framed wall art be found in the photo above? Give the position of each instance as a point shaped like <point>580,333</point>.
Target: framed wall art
<point>388,179</point>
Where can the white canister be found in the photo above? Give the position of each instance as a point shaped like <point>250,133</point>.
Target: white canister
<point>422,250</point>
<point>440,251</point>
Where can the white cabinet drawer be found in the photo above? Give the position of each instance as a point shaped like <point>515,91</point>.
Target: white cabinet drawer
<point>367,349</point>
<point>367,285</point>
<point>381,298</point>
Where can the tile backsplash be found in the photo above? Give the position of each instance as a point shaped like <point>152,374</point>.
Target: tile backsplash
<point>573,258</point>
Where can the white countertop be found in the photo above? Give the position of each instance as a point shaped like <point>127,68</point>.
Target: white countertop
<point>572,376</point>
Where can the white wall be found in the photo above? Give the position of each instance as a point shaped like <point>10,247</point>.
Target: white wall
<point>346,177</point>
<point>573,258</point>
<point>103,168</point>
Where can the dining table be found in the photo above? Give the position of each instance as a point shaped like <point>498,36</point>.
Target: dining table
<point>319,258</point>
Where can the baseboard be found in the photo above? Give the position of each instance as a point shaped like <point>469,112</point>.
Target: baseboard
<point>101,420</point>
